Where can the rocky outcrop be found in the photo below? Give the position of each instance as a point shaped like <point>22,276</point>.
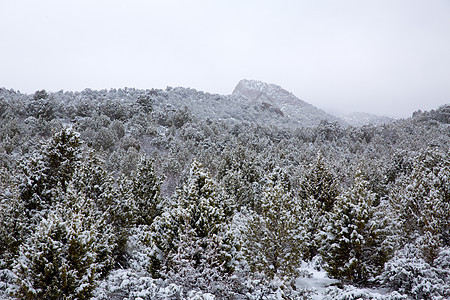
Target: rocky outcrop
<point>276,98</point>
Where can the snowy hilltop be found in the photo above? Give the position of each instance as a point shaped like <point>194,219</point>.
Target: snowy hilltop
<point>275,98</point>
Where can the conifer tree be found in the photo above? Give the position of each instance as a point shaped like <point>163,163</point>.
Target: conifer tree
<point>145,191</point>
<point>320,184</point>
<point>240,176</point>
<point>422,201</point>
<point>109,195</point>
<point>274,238</point>
<point>191,239</point>
<point>91,178</point>
<point>12,219</point>
<point>51,166</point>
<point>317,191</point>
<point>61,156</point>
<point>312,220</point>
<point>69,250</point>
<point>352,240</point>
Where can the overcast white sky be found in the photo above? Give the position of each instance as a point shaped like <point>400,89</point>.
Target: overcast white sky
<point>387,57</point>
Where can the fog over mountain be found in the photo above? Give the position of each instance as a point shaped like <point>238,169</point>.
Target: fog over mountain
<point>383,57</point>
<point>275,98</point>
<point>364,118</point>
<point>257,101</point>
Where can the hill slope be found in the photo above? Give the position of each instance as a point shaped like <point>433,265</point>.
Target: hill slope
<point>362,118</point>
<point>275,98</point>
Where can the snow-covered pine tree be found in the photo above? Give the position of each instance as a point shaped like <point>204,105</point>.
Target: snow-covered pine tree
<point>131,203</point>
<point>274,237</point>
<point>68,251</point>
<point>352,240</point>
<point>145,191</point>
<point>191,240</point>
<point>422,200</point>
<point>312,220</point>
<point>109,195</point>
<point>320,184</point>
<point>61,155</point>
<point>51,166</point>
<point>408,273</point>
<point>317,192</point>
<point>12,218</point>
<point>91,178</point>
<point>239,174</point>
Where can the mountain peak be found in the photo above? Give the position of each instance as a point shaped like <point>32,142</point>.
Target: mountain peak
<point>274,95</point>
<point>255,89</point>
<point>256,84</point>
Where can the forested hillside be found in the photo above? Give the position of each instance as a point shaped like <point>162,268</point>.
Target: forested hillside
<point>181,194</point>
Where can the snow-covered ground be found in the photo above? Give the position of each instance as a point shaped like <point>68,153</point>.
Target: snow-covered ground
<point>322,287</point>
<point>317,281</point>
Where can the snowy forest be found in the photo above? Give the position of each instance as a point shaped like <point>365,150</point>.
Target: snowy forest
<point>182,194</point>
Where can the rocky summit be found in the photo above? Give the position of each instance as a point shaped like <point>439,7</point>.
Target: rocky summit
<point>275,98</point>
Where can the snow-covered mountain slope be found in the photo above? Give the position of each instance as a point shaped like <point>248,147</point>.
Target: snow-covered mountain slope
<point>361,119</point>
<point>275,98</point>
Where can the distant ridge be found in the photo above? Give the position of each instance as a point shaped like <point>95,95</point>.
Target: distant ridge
<point>272,96</point>
<point>361,118</point>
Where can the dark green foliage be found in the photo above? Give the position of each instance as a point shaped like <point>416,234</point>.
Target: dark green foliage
<point>273,236</point>
<point>61,156</point>
<point>181,117</point>
<point>92,179</point>
<point>42,94</point>
<point>190,239</point>
<point>352,240</point>
<point>442,114</point>
<point>318,191</point>
<point>320,184</point>
<point>12,219</point>
<point>312,220</point>
<point>70,248</point>
<point>422,200</point>
<point>51,166</point>
<point>104,139</point>
<point>41,107</point>
<point>145,187</point>
<point>115,110</point>
<point>400,165</point>
<point>4,107</point>
<point>239,173</point>
<point>146,101</point>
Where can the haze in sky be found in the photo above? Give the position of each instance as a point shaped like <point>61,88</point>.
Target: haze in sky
<point>389,57</point>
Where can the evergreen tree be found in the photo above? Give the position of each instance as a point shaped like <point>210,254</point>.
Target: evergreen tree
<point>145,191</point>
<point>422,201</point>
<point>352,241</point>
<point>312,220</point>
<point>191,239</point>
<point>274,238</point>
<point>91,178</point>
<point>61,156</point>
<point>12,219</point>
<point>320,184</point>
<point>51,166</point>
<point>317,191</point>
<point>68,251</point>
<point>109,195</point>
<point>240,176</point>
